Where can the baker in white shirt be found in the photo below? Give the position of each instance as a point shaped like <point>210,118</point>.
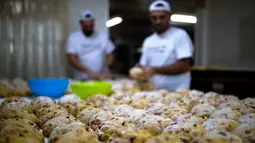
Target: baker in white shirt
<point>166,54</point>
<point>89,51</point>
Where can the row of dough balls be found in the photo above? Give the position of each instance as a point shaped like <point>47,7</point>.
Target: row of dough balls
<point>114,122</point>
<point>42,113</point>
<point>223,116</point>
<point>107,125</point>
<point>120,121</point>
<point>18,123</point>
<point>224,112</point>
<point>130,86</point>
<point>195,102</point>
<point>118,125</point>
<point>16,87</point>
<point>58,124</point>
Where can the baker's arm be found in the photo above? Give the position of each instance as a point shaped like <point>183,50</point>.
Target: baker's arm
<point>72,51</point>
<point>109,59</point>
<point>73,60</point>
<point>110,47</point>
<point>178,67</point>
<point>183,53</point>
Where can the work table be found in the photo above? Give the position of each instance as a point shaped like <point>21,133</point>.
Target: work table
<point>240,83</point>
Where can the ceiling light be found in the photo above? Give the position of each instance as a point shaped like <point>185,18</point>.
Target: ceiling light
<point>184,18</point>
<point>114,21</point>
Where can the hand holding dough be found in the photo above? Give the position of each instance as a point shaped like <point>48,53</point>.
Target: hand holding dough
<point>138,74</point>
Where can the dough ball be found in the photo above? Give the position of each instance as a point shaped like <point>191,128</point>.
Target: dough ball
<point>51,115</point>
<point>20,131</point>
<point>55,122</point>
<point>41,101</point>
<point>18,114</point>
<point>72,133</point>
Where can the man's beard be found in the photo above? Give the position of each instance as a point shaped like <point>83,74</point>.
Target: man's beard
<point>160,28</point>
<point>88,32</point>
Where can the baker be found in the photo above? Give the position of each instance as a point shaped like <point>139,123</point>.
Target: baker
<point>89,51</point>
<point>167,53</point>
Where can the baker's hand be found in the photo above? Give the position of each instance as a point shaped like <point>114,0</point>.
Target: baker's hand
<point>140,77</point>
<point>148,71</point>
<point>141,73</point>
<point>93,76</point>
<point>138,65</point>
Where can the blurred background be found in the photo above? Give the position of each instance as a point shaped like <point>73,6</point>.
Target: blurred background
<point>33,37</point>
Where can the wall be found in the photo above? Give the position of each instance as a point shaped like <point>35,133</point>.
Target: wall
<point>32,37</point>
<point>229,34</point>
<point>201,32</point>
<point>100,9</point>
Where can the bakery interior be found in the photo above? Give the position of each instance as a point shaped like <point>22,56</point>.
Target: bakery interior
<point>219,106</point>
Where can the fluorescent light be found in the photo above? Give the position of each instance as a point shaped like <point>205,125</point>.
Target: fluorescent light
<point>114,21</point>
<point>184,18</point>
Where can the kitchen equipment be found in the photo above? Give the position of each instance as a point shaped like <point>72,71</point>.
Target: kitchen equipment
<point>51,87</point>
<point>86,89</point>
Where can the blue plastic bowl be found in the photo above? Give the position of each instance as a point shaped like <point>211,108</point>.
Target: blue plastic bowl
<point>51,87</point>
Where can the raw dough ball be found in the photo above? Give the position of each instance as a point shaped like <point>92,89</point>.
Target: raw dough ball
<point>117,140</point>
<point>123,110</point>
<point>233,104</point>
<point>20,131</point>
<point>219,136</point>
<point>164,138</point>
<point>17,114</point>
<point>157,108</point>
<point>246,118</point>
<point>247,108</point>
<point>22,105</point>
<point>19,122</point>
<point>41,101</point>
<point>9,99</point>
<point>55,122</point>
<point>85,115</point>
<point>188,128</point>
<point>139,104</point>
<point>219,124</point>
<point>107,130</point>
<point>51,115</point>
<point>246,132</point>
<point>150,123</point>
<point>135,136</point>
<point>98,100</point>
<point>203,110</point>
<point>69,99</point>
<point>136,71</point>
<point>103,116</point>
<point>226,113</point>
<point>72,133</point>
<point>47,109</point>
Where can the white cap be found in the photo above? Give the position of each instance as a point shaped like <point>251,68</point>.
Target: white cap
<point>160,5</point>
<point>86,15</point>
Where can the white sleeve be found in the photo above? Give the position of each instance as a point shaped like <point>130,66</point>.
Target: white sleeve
<point>184,47</point>
<point>110,47</point>
<point>71,47</point>
<point>143,59</point>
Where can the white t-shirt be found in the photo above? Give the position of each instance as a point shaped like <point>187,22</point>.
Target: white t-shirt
<point>164,50</point>
<point>91,51</point>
